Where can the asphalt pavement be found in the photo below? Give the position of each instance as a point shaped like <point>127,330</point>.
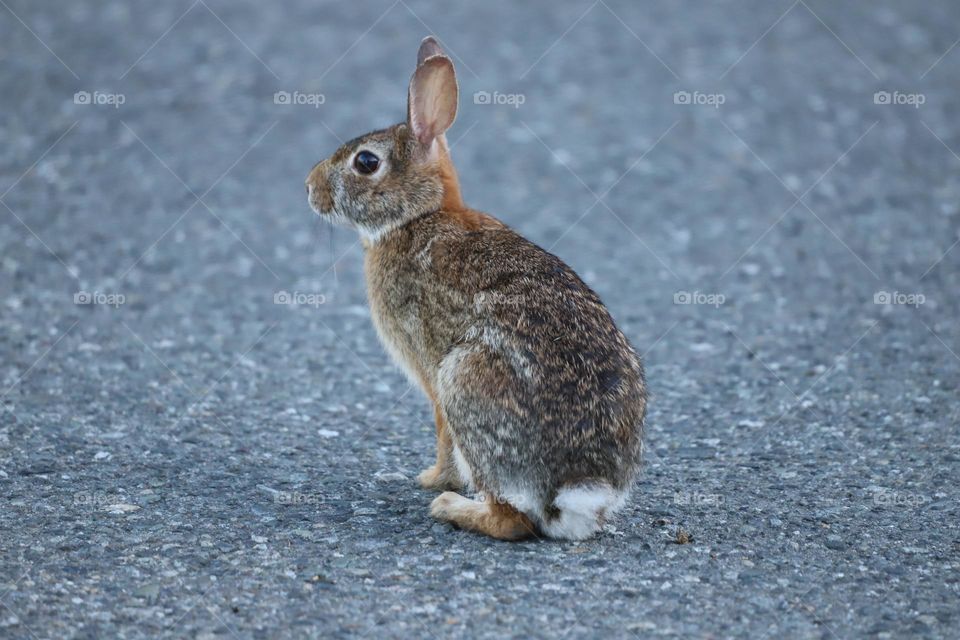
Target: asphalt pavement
<point>200,435</point>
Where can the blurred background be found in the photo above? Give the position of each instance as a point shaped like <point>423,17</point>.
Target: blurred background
<point>201,435</point>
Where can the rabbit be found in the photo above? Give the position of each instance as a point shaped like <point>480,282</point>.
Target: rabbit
<point>539,399</point>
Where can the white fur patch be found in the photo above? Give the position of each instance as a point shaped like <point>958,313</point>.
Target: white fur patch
<point>581,510</point>
<point>498,342</point>
<point>446,381</point>
<point>424,257</point>
<point>372,236</point>
<point>466,475</point>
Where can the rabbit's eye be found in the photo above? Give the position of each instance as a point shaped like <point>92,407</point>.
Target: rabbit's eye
<point>366,162</point>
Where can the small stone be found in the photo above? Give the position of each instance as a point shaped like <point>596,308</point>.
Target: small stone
<point>120,508</point>
<point>150,592</point>
<point>38,468</point>
<point>835,543</point>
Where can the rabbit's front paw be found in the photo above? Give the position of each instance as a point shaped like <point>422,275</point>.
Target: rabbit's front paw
<point>439,478</point>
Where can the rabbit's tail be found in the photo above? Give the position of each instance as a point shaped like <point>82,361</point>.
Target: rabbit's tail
<point>580,510</point>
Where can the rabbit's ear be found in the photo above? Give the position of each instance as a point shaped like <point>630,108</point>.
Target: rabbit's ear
<point>432,100</point>
<point>428,48</point>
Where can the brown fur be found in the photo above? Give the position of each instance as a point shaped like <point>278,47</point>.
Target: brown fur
<point>442,475</point>
<point>452,199</point>
<point>534,388</point>
<point>495,519</point>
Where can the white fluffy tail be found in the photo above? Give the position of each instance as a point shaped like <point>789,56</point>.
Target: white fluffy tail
<point>583,509</point>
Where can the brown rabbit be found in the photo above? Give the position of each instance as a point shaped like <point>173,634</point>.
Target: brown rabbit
<point>539,399</point>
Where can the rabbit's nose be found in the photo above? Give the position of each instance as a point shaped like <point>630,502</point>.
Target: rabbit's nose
<point>316,172</point>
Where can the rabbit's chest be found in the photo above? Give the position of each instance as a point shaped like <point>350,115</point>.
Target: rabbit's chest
<point>395,298</point>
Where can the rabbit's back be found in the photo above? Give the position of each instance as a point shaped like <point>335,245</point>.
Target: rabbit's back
<point>540,387</point>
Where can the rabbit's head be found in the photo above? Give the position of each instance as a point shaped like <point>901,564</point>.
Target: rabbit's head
<point>381,180</point>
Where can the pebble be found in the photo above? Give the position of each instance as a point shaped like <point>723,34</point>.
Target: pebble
<point>120,508</point>
<point>390,477</point>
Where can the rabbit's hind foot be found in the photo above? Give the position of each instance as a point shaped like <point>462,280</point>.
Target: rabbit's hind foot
<point>487,515</point>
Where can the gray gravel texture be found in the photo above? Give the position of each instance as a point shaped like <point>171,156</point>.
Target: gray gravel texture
<point>187,457</point>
